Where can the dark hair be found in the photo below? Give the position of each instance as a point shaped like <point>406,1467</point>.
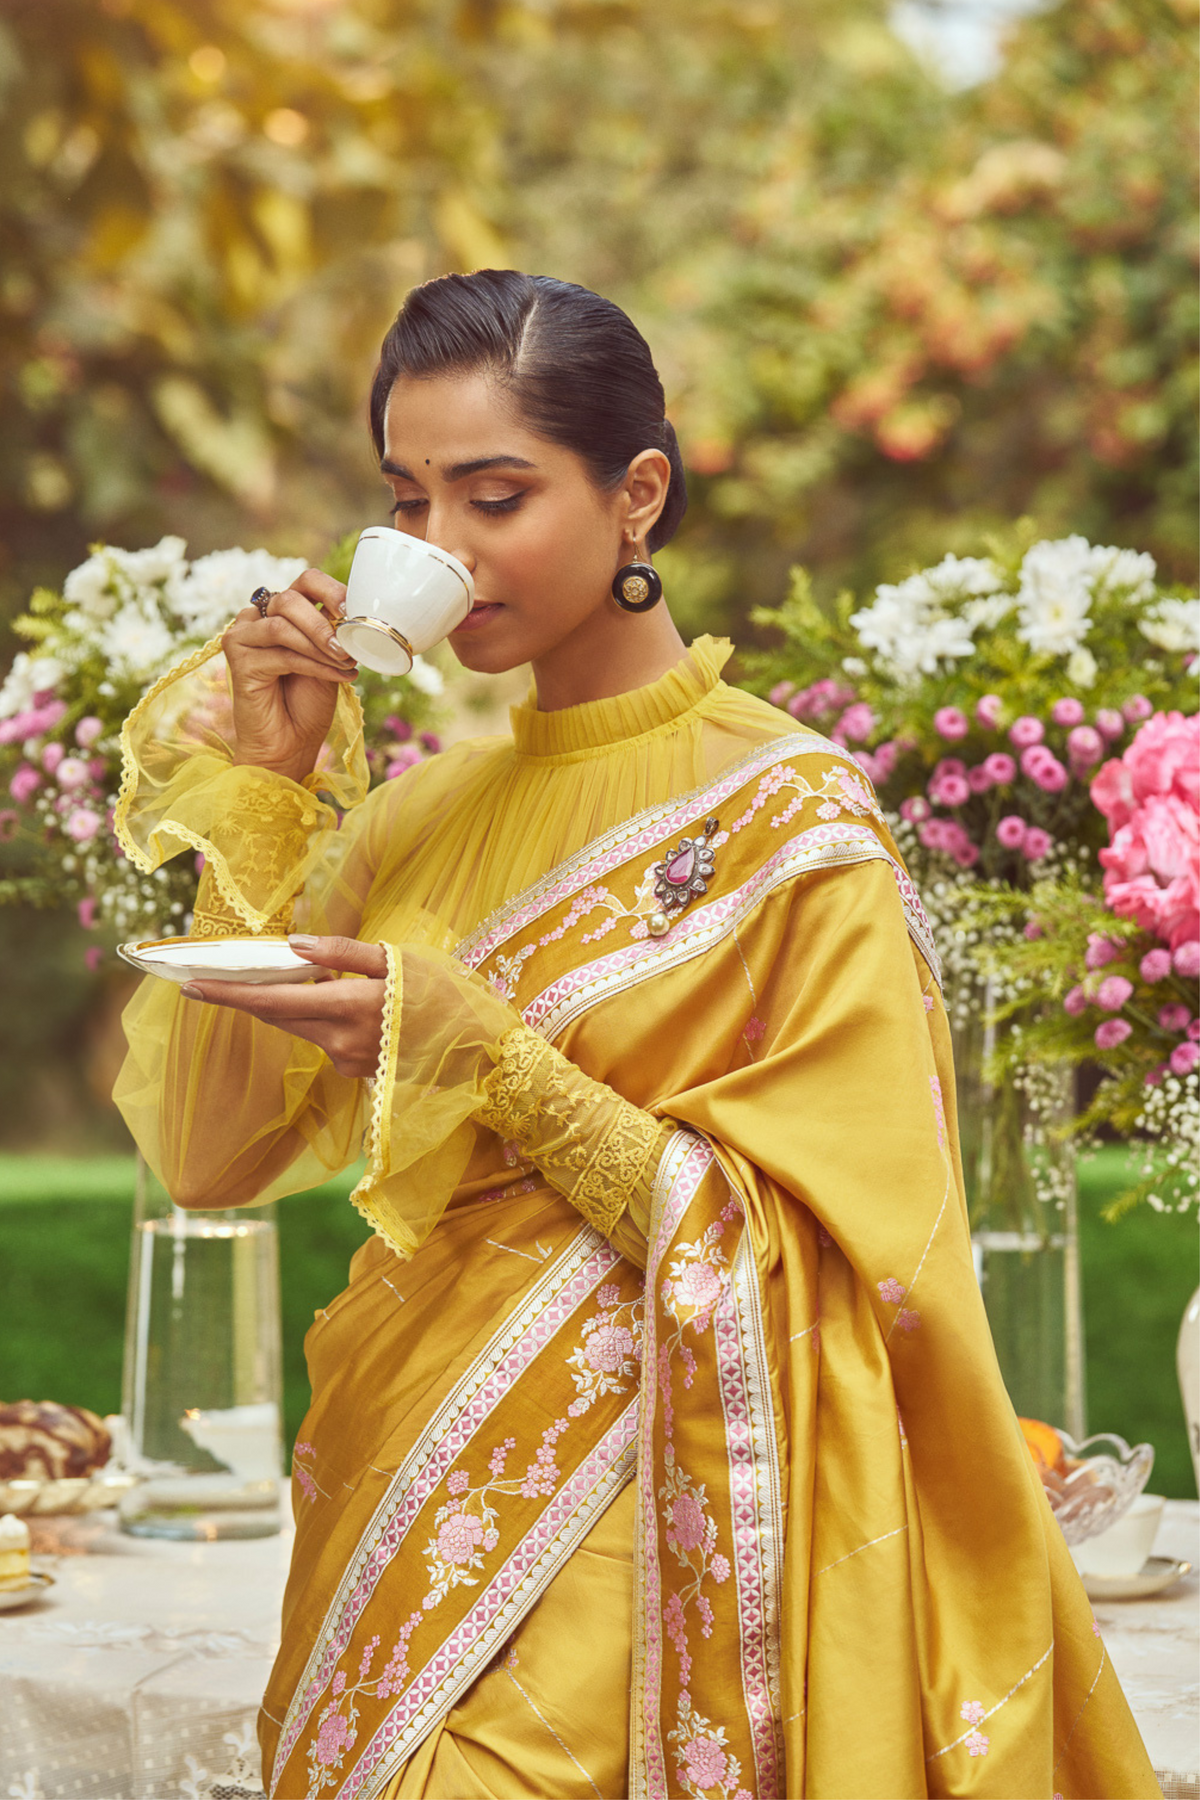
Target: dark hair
<point>578,370</point>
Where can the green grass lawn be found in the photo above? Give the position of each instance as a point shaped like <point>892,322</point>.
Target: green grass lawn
<point>64,1251</point>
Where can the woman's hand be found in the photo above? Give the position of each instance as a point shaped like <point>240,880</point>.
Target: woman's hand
<point>285,670</point>
<point>344,1018</point>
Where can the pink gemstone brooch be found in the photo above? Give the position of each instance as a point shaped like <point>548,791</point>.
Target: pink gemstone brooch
<point>681,877</point>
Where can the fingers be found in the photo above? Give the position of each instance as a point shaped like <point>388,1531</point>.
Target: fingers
<point>349,955</point>
<point>321,590</point>
<point>294,640</point>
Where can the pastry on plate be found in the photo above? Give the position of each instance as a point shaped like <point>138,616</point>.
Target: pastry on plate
<point>41,1440</point>
<point>14,1552</point>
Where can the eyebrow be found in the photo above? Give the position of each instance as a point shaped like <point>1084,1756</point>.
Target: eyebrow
<point>458,471</point>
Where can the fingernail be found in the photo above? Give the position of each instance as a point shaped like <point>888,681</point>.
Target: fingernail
<point>191,990</point>
<point>300,941</point>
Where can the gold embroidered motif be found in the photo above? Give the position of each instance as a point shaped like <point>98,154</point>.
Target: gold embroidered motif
<point>594,1147</point>
<point>215,918</point>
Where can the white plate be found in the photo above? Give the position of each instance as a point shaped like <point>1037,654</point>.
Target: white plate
<point>260,960</point>
<point>1155,1574</point>
<point>11,1598</point>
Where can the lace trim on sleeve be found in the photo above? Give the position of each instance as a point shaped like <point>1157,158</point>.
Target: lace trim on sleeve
<point>590,1144</point>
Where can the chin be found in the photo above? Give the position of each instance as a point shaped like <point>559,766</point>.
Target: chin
<point>486,659</point>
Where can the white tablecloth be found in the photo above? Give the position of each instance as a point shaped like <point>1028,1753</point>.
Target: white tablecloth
<point>138,1676</point>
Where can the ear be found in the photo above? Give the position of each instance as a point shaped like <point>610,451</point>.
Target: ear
<point>646,482</point>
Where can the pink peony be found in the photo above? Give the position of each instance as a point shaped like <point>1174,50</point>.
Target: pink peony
<point>88,730</point>
<point>1012,831</point>
<point>1038,843</point>
<point>988,711</point>
<point>1075,1002</point>
<point>72,773</point>
<point>978,779</point>
<point>1113,992</point>
<point>1184,1058</point>
<point>857,722</point>
<point>1067,712</point>
<point>706,1762</point>
<point>914,809</point>
<point>606,1348</point>
<point>1175,1017</point>
<point>951,723</point>
<point>1187,959</point>
<point>1085,746</point>
<point>1137,708</point>
<point>1001,767</point>
<point>687,1522</point>
<point>1109,724</point>
<point>83,824</point>
<point>699,1286</point>
<point>459,1537</point>
<point>1112,1033</point>
<point>1155,966</point>
<point>1025,731</point>
<point>24,783</point>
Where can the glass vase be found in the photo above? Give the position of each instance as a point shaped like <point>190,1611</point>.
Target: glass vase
<point>1021,1197</point>
<point>201,1398</point>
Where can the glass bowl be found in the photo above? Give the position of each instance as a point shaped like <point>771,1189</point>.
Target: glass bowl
<point>1099,1479</point>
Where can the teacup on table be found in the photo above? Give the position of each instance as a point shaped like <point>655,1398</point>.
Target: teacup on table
<point>1122,1551</point>
<point>403,597</point>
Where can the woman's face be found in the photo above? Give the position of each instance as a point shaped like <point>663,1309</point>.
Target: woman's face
<point>540,539</point>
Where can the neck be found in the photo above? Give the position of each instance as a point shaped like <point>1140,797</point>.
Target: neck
<point>610,653</point>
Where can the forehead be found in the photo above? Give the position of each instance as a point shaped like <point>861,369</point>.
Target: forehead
<point>456,418</point>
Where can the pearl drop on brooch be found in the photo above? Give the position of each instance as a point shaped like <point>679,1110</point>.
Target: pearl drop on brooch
<point>658,924</point>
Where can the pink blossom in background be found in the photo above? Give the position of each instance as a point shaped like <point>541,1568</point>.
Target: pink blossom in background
<point>949,765</point>
<point>1085,746</point>
<point>867,764</point>
<point>1187,959</point>
<point>86,912</point>
<point>1067,712</point>
<point>1001,767</point>
<point>406,755</point>
<point>72,773</point>
<point>24,783</point>
<point>1112,1033</point>
<point>1050,775</point>
<point>857,722</point>
<point>88,730</point>
<point>951,723</point>
<point>1184,1058</point>
<point>52,755</point>
<point>1154,1076</point>
<point>781,693</point>
<point>430,742</point>
<point>1137,708</point>
<point>398,729</point>
<point>1033,930</point>
<point>1038,843</point>
<point>949,790</point>
<point>1155,966</point>
<point>35,722</point>
<point>989,710</point>
<point>1175,1017</point>
<point>1100,950</point>
<point>1075,1002</point>
<point>978,779</point>
<point>886,756</point>
<point>915,809</point>
<point>1025,731</point>
<point>97,768</point>
<point>1109,723</point>
<point>1113,992</point>
<point>1011,831</point>
<point>1193,1029</point>
<point>1151,799</point>
<point>83,824</point>
<point>93,956</point>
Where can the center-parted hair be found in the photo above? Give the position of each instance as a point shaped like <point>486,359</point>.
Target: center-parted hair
<point>576,369</point>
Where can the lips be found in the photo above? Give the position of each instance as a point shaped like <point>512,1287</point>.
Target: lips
<point>480,613</point>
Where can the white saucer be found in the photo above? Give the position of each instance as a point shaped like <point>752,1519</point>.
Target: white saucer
<point>1155,1574</point>
<point>11,1598</point>
<point>261,960</point>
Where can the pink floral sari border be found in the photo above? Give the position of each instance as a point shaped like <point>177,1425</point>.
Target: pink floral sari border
<point>822,846</point>
<point>686,1161</point>
<point>499,1365</point>
<point>757,1508</point>
<point>646,831</point>
<point>565,1521</point>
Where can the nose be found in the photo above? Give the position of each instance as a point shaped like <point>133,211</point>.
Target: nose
<point>444,529</point>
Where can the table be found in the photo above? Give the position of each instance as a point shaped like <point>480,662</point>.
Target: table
<point>138,1676</point>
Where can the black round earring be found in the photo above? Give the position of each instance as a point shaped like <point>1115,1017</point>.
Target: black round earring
<point>637,587</point>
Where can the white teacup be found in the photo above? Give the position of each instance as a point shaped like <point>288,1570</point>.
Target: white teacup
<point>403,597</point>
<point>1121,1551</point>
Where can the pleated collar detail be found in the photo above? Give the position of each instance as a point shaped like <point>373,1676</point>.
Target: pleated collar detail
<point>599,725</point>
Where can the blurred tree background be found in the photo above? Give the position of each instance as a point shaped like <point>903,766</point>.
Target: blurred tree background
<point>889,316</point>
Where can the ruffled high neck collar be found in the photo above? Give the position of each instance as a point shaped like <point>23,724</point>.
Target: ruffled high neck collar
<point>597,725</point>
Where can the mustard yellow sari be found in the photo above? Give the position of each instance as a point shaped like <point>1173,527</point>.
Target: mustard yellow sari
<point>726,1499</point>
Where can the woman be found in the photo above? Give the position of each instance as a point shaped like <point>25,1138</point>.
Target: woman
<point>657,1445</point>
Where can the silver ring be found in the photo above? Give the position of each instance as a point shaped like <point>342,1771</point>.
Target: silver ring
<point>261,598</point>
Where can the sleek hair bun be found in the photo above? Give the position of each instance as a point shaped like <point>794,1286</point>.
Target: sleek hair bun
<point>576,367</point>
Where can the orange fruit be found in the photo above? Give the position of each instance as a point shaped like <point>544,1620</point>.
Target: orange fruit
<point>1043,1444</point>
